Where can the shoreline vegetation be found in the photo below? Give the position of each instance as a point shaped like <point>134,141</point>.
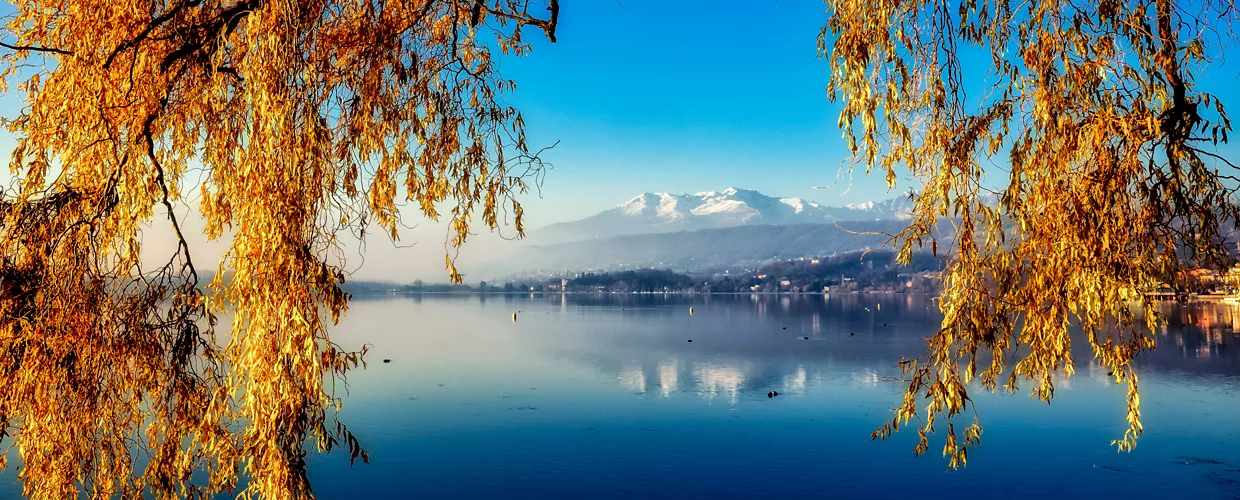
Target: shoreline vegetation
<point>465,290</point>
<point>850,273</point>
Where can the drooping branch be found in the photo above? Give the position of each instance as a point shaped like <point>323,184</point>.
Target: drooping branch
<point>155,24</point>
<point>33,48</point>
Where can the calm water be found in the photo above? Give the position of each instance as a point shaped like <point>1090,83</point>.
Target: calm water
<point>589,396</point>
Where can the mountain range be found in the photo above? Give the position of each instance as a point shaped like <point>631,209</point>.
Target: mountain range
<point>649,213</point>
<point>708,229</point>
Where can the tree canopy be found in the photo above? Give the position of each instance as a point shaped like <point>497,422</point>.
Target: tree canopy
<point>1087,120</point>
<point>304,120</point>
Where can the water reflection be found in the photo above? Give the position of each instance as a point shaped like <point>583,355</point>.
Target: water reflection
<point>866,334</point>
<point>669,378</point>
<point>1202,330</point>
<point>604,395</point>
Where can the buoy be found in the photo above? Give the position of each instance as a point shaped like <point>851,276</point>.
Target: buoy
<point>690,311</point>
<point>879,306</point>
<point>514,317</point>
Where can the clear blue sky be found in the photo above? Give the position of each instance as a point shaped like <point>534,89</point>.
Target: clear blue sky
<point>683,96</point>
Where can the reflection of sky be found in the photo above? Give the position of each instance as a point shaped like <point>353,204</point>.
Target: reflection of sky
<point>589,395</point>
<point>586,395</point>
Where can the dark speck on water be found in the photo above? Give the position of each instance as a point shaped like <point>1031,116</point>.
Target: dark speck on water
<point>1229,479</point>
<point>1199,461</point>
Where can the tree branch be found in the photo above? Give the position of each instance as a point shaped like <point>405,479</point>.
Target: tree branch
<point>155,23</point>
<point>36,49</point>
<point>548,25</point>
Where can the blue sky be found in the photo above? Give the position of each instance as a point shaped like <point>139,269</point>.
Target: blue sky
<point>682,96</point>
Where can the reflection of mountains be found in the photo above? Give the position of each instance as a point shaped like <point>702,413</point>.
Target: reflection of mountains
<point>756,343</point>
<point>748,344</point>
<point>707,379</point>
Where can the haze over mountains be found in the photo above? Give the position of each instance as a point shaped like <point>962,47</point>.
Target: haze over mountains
<point>686,232</point>
<point>649,213</point>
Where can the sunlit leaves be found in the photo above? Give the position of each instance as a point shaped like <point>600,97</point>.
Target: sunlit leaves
<point>303,120</point>
<point>1104,177</point>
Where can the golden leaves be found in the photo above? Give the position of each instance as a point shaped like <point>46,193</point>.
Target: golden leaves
<point>1089,108</point>
<point>302,118</point>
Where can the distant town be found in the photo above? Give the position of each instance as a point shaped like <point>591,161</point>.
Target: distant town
<point>853,272</point>
<point>845,273</point>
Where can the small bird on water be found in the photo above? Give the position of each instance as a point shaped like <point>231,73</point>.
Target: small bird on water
<point>772,394</point>
<point>387,361</point>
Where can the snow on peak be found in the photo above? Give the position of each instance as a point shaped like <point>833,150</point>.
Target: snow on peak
<point>798,205</point>
<point>736,206</point>
<point>638,204</point>
<point>658,212</point>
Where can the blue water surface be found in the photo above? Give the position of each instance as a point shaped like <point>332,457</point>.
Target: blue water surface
<point>603,396</point>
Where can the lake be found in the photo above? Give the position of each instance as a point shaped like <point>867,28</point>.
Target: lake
<point>604,396</point>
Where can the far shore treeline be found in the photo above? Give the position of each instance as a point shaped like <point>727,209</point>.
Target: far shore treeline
<point>852,272</point>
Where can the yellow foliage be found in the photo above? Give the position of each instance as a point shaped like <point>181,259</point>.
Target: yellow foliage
<point>1112,184</point>
<point>303,117</point>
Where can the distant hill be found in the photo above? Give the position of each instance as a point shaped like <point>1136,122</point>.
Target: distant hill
<point>693,250</point>
<point>650,213</point>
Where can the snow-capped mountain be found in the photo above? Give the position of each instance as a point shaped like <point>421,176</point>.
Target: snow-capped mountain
<point>665,212</point>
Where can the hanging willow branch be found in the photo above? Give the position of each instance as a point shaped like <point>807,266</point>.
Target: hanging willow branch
<point>1112,184</point>
<point>305,117</point>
